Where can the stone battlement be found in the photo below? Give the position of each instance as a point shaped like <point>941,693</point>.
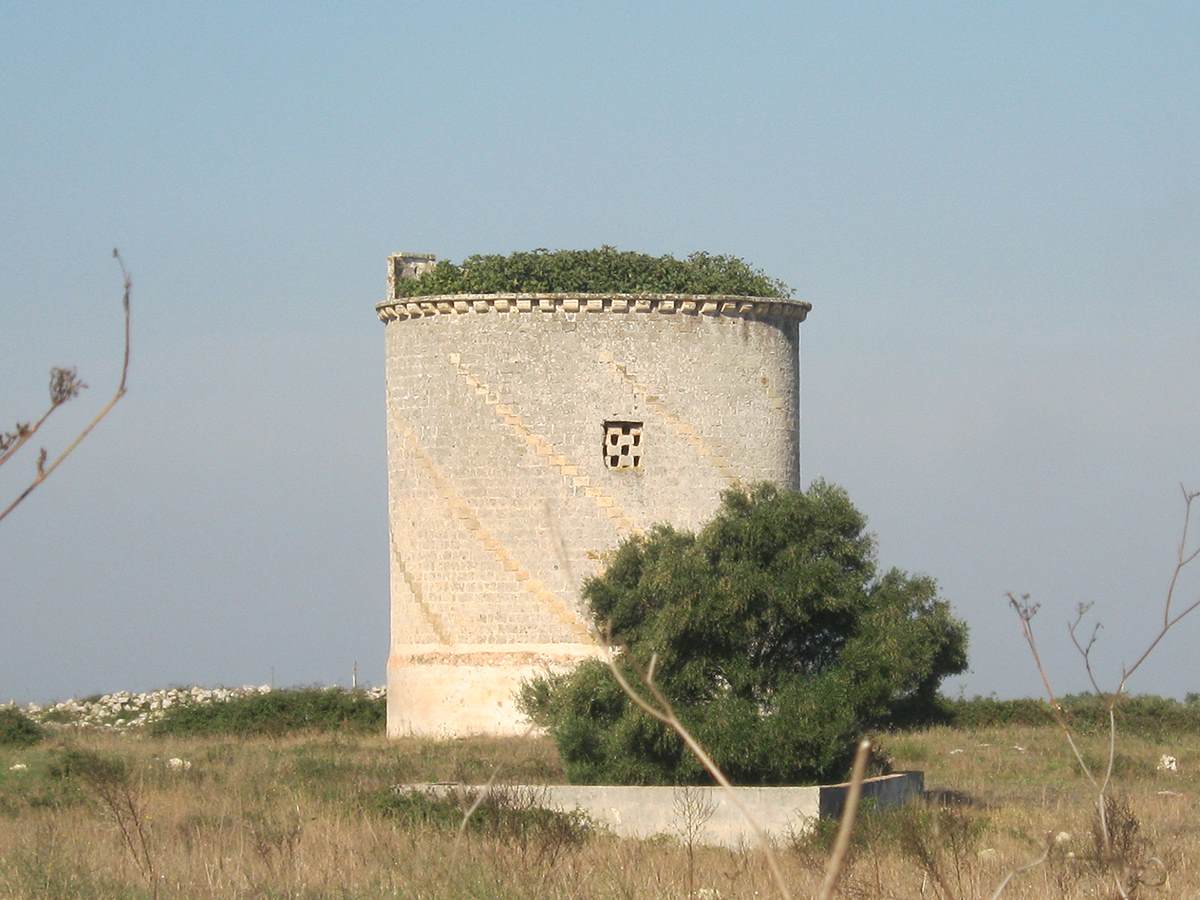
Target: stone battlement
<point>686,304</point>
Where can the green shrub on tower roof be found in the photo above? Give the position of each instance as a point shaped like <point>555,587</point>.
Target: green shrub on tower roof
<point>605,270</point>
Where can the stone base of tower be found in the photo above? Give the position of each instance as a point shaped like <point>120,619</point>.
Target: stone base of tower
<point>437,691</point>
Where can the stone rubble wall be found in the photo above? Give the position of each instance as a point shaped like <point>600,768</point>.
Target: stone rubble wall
<point>123,710</point>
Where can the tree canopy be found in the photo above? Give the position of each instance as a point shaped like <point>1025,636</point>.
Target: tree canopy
<point>776,641</point>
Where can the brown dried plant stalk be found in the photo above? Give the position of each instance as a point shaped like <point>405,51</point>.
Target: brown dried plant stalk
<point>1171,616</point>
<point>64,385</point>
<point>114,785</point>
<point>1047,846</point>
<point>841,845</point>
<point>660,708</point>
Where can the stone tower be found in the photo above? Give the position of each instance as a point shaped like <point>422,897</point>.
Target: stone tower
<point>527,435</point>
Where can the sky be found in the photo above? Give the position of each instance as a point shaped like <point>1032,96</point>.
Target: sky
<point>993,208</point>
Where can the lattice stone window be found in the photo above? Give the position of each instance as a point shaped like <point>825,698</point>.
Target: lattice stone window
<point>622,445</point>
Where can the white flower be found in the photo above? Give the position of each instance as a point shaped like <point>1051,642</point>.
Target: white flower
<point>18,767</point>
<point>176,764</point>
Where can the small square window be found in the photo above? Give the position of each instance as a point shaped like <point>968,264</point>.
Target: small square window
<point>622,445</point>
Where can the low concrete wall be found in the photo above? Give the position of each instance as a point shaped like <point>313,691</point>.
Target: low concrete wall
<point>877,793</point>
<point>641,812</point>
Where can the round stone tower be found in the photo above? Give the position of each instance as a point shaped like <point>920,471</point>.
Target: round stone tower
<point>527,435</point>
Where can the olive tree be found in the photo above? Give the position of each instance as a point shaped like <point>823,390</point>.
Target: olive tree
<point>772,635</point>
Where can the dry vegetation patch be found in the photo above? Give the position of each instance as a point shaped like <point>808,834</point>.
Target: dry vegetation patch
<point>309,816</point>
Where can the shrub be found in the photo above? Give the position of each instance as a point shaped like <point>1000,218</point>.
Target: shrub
<point>605,270</point>
<point>775,641</point>
<point>279,712</point>
<point>91,767</point>
<point>17,729</point>
<point>1145,714</point>
<point>504,812</point>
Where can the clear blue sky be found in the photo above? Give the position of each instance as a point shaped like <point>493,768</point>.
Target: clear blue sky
<point>995,210</point>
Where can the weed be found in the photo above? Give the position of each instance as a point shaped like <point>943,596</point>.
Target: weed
<point>694,806</point>
<point>514,817</point>
<point>111,783</point>
<point>942,842</point>
<point>275,832</point>
<point>1123,853</point>
<point>17,729</point>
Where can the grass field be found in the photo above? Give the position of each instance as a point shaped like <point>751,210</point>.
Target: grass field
<point>311,816</point>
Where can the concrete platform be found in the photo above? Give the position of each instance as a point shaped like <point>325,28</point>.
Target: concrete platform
<point>642,812</point>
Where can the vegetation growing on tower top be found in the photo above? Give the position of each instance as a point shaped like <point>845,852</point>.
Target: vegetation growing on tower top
<point>606,270</point>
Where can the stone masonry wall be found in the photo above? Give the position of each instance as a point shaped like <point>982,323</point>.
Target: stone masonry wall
<point>500,500</point>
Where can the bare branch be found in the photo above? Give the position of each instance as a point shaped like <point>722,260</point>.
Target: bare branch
<point>1085,651</point>
<point>1182,559</point>
<point>62,388</point>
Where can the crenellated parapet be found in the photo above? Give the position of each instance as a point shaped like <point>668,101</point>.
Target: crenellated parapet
<point>716,305</point>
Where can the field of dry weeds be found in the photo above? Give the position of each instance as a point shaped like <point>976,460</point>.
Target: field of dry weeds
<point>128,815</point>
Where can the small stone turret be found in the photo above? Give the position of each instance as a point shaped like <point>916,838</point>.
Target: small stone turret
<point>404,266</point>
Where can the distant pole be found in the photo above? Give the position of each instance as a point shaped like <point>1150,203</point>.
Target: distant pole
<point>354,677</point>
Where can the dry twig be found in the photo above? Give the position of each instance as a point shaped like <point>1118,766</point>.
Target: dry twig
<point>1170,618</point>
<point>65,384</point>
<point>1021,870</point>
<point>483,793</point>
<point>837,859</point>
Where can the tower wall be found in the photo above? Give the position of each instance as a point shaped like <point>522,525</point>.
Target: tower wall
<point>502,494</point>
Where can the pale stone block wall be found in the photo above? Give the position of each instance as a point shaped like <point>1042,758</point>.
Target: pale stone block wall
<point>500,501</point>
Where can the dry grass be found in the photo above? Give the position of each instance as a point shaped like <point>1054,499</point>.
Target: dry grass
<point>297,817</point>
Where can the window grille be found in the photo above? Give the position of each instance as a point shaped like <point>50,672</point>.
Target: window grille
<point>623,445</point>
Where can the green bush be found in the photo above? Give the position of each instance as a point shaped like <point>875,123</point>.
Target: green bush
<point>90,766</point>
<point>776,643</point>
<point>17,729</point>
<point>605,270</point>
<point>896,827</point>
<point>278,712</point>
<point>505,813</point>
<point>1144,714</point>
